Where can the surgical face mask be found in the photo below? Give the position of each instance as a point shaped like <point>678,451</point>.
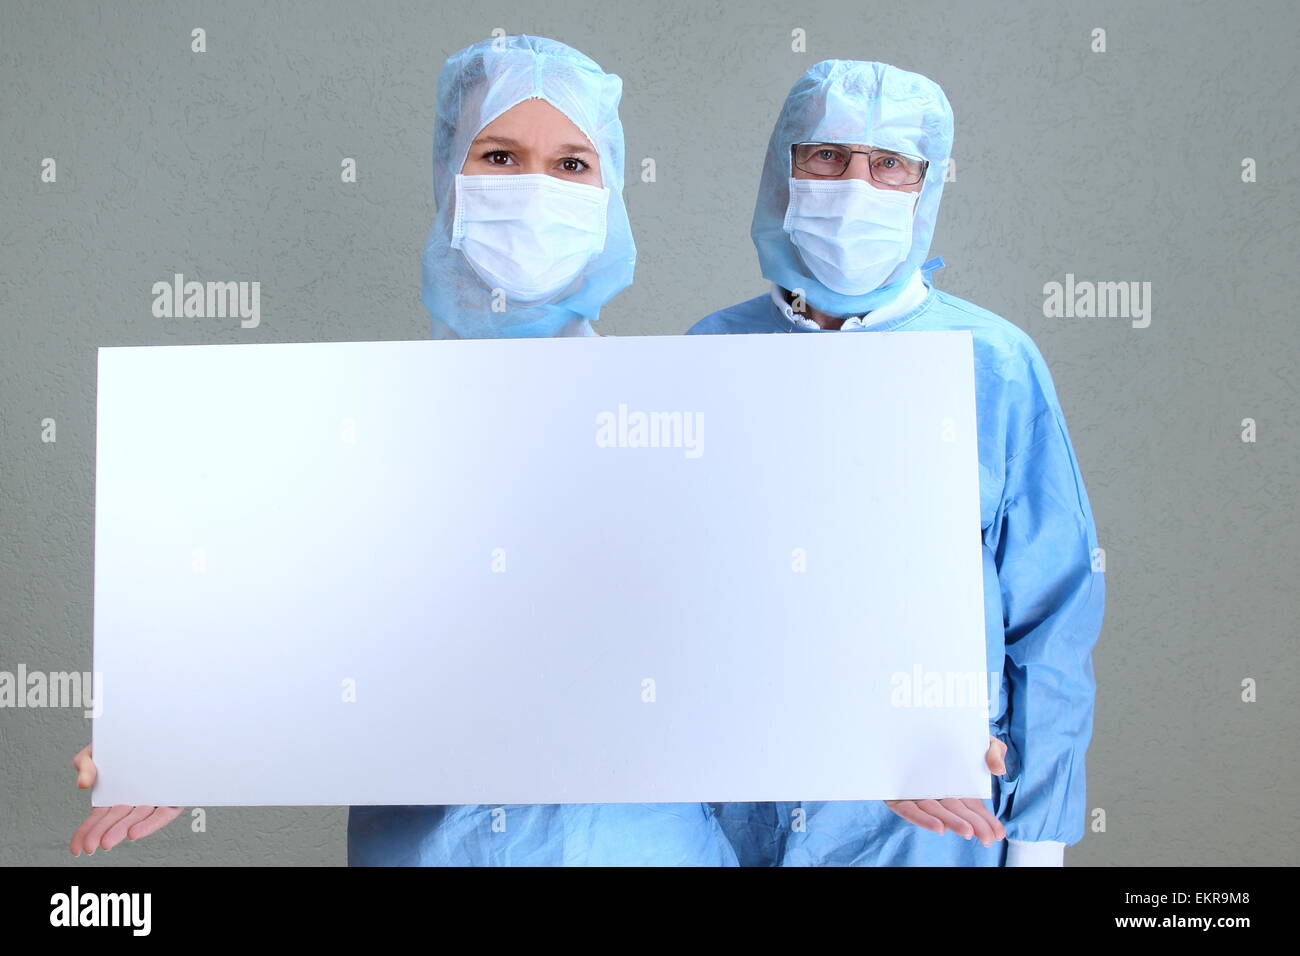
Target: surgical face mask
<point>851,234</point>
<point>530,235</point>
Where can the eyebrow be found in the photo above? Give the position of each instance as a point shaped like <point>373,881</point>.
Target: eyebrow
<point>879,149</point>
<point>496,140</point>
<point>515,144</point>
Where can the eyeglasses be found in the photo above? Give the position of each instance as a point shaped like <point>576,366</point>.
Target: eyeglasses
<point>885,166</point>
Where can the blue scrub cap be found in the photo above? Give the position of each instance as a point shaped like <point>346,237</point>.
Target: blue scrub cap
<point>477,85</point>
<point>851,101</point>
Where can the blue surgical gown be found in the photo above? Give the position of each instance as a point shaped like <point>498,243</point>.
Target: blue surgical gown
<point>1044,589</point>
<point>476,85</point>
<point>616,834</point>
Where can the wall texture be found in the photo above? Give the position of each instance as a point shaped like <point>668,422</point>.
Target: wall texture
<point>1123,165</point>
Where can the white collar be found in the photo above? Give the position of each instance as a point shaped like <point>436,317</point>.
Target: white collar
<point>913,294</point>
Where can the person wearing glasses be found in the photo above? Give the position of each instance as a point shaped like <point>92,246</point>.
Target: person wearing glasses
<point>846,210</point>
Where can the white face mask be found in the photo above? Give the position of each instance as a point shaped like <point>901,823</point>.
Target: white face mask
<point>849,233</point>
<point>530,235</point>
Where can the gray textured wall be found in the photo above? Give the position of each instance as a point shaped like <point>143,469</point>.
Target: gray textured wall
<point>1122,165</point>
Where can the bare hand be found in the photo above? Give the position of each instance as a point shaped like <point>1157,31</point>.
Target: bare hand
<point>966,817</point>
<point>106,827</point>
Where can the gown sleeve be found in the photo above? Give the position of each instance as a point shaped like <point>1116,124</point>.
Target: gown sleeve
<point>1053,590</point>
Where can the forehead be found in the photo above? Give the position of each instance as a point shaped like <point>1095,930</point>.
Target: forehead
<point>858,146</point>
<point>536,121</point>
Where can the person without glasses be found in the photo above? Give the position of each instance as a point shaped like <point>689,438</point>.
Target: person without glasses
<point>531,239</point>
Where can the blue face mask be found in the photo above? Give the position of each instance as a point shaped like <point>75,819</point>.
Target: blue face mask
<point>529,236</point>
<point>850,234</point>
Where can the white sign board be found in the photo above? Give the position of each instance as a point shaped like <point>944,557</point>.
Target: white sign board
<point>585,570</point>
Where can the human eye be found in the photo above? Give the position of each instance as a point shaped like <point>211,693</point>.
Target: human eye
<point>499,157</point>
<point>898,163</point>
<point>573,165</point>
<point>822,159</point>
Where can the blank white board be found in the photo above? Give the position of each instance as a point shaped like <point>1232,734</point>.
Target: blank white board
<point>448,572</point>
